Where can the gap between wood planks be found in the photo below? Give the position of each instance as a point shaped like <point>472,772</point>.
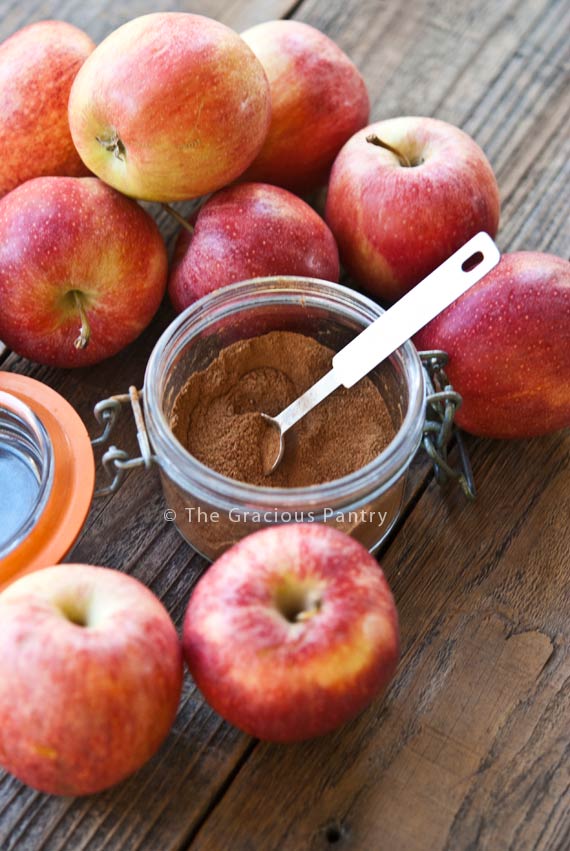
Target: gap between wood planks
<point>4,352</point>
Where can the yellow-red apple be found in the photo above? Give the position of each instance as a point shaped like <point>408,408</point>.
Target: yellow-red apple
<point>404,194</point>
<point>82,270</point>
<point>37,67</point>
<point>90,678</point>
<point>508,340</point>
<point>250,230</point>
<point>170,106</point>
<point>292,632</point>
<point>318,100</point>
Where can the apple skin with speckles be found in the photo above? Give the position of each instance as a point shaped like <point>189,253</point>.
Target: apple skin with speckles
<point>61,236</point>
<point>395,223</point>
<point>292,632</point>
<point>90,678</point>
<point>508,340</point>
<point>318,100</point>
<point>170,106</point>
<point>251,230</point>
<point>37,67</point>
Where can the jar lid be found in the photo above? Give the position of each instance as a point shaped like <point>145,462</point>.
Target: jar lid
<point>47,476</point>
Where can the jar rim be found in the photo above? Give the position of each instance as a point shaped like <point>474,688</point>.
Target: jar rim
<point>192,475</point>
<point>35,429</point>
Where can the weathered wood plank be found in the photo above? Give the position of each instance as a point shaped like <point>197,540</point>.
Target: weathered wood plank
<point>99,18</point>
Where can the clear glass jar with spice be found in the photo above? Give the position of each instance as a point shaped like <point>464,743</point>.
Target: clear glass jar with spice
<point>212,511</point>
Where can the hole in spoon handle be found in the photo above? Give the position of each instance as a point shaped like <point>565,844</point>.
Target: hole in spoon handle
<point>473,261</point>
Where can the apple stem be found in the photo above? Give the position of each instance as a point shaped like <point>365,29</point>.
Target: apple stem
<point>307,614</point>
<point>113,144</point>
<point>180,219</point>
<point>375,140</point>
<point>82,341</point>
<point>313,607</point>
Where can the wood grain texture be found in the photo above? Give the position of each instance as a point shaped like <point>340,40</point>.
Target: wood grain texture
<point>469,748</point>
<point>101,16</point>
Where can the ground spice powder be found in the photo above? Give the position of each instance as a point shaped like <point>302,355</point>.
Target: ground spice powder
<point>216,415</point>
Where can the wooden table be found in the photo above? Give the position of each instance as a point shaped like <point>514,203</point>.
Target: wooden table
<point>470,748</point>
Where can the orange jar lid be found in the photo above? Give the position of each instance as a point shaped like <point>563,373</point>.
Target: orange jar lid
<point>52,527</point>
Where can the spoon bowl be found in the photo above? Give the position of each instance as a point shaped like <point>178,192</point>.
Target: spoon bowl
<point>273,445</point>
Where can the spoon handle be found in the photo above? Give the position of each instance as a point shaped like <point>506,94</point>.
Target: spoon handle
<point>305,403</point>
<point>414,310</point>
<point>387,333</point>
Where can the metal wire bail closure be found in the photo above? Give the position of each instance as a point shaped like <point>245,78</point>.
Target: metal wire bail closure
<point>116,462</point>
<point>442,401</point>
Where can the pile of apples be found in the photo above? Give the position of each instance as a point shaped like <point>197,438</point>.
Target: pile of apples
<point>174,106</point>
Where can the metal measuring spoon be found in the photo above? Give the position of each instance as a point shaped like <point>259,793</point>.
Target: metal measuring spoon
<point>386,334</point>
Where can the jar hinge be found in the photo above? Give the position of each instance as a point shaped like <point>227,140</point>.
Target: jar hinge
<point>442,401</point>
<point>117,462</point>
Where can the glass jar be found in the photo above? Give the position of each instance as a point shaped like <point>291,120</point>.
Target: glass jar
<point>212,511</point>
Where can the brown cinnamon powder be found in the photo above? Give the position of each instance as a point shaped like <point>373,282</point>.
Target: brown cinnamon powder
<point>216,415</point>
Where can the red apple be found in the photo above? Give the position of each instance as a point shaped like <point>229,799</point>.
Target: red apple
<point>508,340</point>
<point>250,231</point>
<point>170,106</point>
<point>398,214</point>
<point>37,67</point>
<point>82,270</point>
<point>90,678</point>
<point>318,100</point>
<point>292,632</point>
